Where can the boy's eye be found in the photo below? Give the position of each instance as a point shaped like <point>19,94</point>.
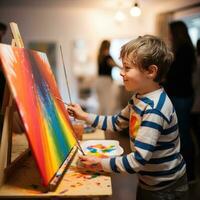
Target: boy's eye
<point>126,68</point>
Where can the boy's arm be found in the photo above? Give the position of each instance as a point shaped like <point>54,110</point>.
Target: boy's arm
<point>144,145</point>
<point>112,123</point>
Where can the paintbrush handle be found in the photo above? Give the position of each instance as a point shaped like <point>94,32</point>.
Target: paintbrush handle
<point>66,79</point>
<point>63,101</point>
<point>78,144</point>
<point>80,148</point>
<point>65,73</point>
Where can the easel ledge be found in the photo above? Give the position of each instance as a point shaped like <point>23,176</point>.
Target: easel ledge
<point>25,180</point>
<point>58,176</point>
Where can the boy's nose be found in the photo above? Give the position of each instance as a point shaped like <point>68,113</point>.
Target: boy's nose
<point>122,73</point>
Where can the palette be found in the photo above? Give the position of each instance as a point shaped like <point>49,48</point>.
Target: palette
<point>102,148</point>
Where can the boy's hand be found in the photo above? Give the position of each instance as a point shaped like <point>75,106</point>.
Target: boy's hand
<point>90,163</point>
<point>76,111</point>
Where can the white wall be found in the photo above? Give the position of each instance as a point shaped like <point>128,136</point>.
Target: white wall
<point>64,24</point>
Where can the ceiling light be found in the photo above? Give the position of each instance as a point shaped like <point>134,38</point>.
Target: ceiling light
<point>135,10</point>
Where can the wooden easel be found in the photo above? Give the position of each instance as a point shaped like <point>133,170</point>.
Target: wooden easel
<point>8,109</point>
<point>6,141</point>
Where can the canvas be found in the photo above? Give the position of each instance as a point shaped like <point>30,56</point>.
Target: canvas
<point>46,121</point>
<point>48,47</point>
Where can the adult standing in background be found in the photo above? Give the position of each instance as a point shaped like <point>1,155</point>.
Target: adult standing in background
<point>195,117</point>
<point>180,90</point>
<point>104,81</point>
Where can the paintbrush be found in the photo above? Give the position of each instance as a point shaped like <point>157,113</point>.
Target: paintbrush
<point>65,73</point>
<point>62,101</point>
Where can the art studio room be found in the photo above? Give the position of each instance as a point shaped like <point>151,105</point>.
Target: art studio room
<point>100,99</point>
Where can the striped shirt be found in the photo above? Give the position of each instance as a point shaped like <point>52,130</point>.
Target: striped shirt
<point>154,140</point>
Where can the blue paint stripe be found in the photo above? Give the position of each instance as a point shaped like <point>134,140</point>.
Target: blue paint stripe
<point>163,159</point>
<point>152,125</point>
<point>113,165</point>
<point>170,130</point>
<point>104,126</point>
<point>164,173</point>
<point>114,119</point>
<point>144,146</point>
<point>53,123</point>
<point>96,121</point>
<point>161,101</point>
<point>139,158</point>
<point>127,166</point>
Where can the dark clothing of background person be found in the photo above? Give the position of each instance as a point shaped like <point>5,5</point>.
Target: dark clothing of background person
<point>179,78</point>
<point>179,88</point>
<point>195,115</point>
<point>105,68</point>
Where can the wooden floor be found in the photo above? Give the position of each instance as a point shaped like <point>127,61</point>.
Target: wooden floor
<point>124,186</point>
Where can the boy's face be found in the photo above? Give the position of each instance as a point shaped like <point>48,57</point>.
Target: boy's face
<point>134,78</point>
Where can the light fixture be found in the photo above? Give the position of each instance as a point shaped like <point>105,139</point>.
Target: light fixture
<point>119,16</point>
<point>135,10</point>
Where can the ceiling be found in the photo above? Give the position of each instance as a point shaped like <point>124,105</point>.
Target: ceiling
<point>160,5</point>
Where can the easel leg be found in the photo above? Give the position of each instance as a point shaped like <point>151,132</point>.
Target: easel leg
<point>7,129</point>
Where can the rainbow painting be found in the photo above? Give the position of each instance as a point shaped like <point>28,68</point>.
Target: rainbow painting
<point>46,121</point>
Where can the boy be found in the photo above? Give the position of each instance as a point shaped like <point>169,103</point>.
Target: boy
<point>152,121</point>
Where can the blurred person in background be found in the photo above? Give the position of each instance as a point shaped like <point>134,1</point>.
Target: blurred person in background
<point>104,81</point>
<point>195,116</point>
<point>179,87</point>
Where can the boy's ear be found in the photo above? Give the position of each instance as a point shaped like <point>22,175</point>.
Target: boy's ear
<point>152,71</point>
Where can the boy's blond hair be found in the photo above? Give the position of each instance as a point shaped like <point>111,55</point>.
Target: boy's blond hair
<point>149,50</point>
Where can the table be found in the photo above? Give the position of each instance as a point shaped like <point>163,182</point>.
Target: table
<point>25,180</point>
